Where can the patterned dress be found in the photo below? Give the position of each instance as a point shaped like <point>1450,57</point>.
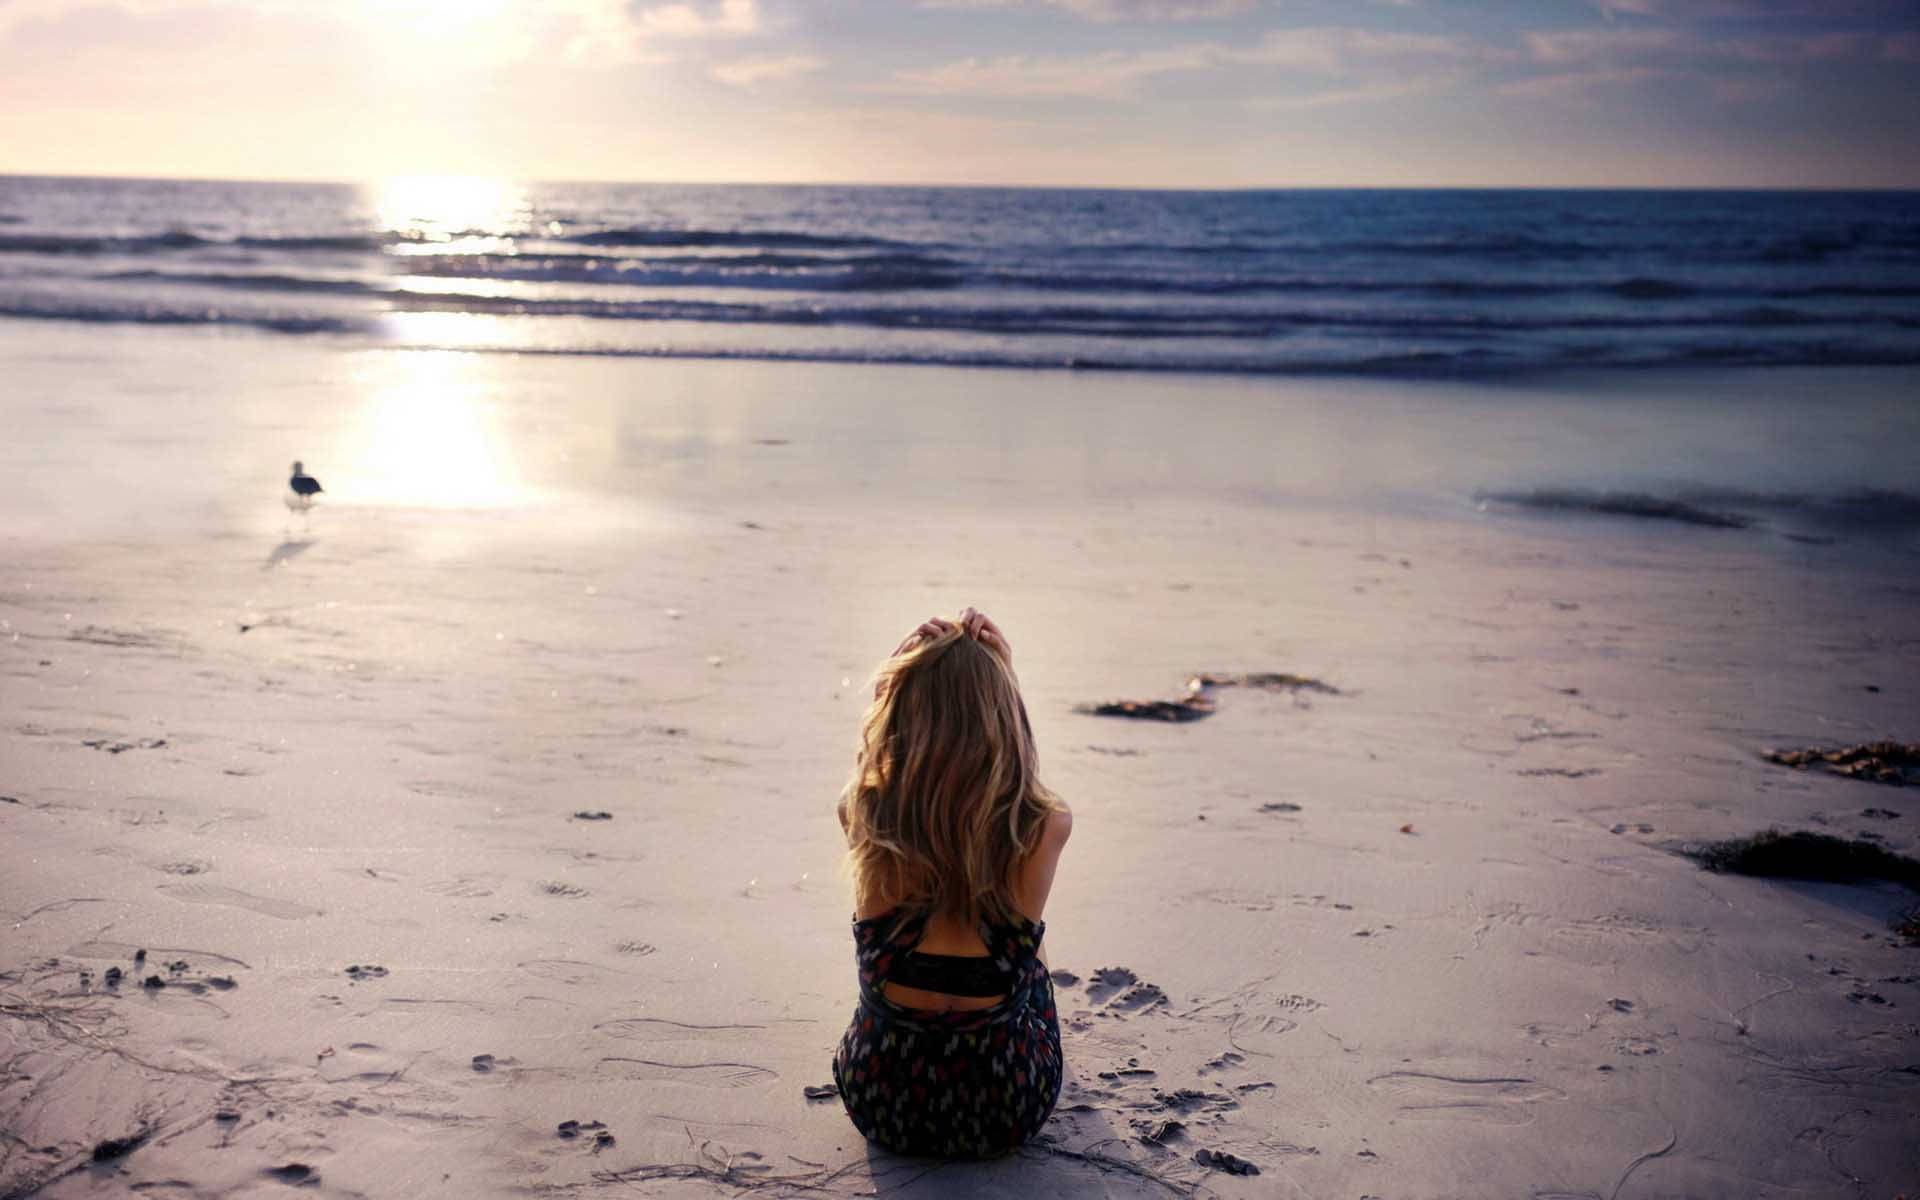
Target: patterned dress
<point>962,1084</point>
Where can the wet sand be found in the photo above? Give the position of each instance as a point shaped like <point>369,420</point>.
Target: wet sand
<point>473,834</point>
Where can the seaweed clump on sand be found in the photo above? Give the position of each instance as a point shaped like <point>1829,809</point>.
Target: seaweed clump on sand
<point>1199,702</point>
<point>1875,762</point>
<point>1617,504</point>
<point>1192,708</point>
<point>1266,681</point>
<point>1801,855</point>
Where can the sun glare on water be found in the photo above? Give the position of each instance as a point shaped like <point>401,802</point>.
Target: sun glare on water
<point>436,209</point>
<point>430,435</point>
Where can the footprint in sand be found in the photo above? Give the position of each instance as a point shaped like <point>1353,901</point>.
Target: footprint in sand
<point>211,893</point>
<point>1257,1020</point>
<point>1121,991</point>
<point>1108,981</point>
<point>1227,1061</point>
<point>1488,1101</point>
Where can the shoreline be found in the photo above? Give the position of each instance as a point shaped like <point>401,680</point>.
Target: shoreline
<point>1413,369</point>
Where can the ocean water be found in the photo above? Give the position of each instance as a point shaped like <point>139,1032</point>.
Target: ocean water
<point>1444,282</point>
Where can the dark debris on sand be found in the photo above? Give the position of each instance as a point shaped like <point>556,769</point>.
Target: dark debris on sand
<point>113,747</point>
<point>1193,708</point>
<point>296,1174</point>
<point>1893,763</point>
<point>1157,1133</point>
<point>1198,702</point>
<point>1617,504</point>
<point>115,1148</point>
<point>1220,1160</point>
<point>1266,681</point>
<point>1801,855</point>
<point>1907,928</point>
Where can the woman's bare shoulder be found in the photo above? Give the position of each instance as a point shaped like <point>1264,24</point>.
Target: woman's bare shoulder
<point>1059,826</point>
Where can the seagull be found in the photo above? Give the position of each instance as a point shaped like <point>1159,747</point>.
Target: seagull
<point>302,489</point>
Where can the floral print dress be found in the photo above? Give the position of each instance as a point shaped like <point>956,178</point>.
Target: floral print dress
<point>962,1084</point>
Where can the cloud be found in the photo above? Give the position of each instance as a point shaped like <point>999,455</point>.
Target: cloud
<point>1769,10</point>
<point>1690,49</point>
<point>588,33</point>
<point>1333,49</point>
<point>748,72</point>
<point>1372,93</point>
<point>1576,83</point>
<point>1592,45</point>
<point>1113,11</point>
<point>1154,10</point>
<point>1107,76</point>
<point>1363,60</point>
<point>727,17</point>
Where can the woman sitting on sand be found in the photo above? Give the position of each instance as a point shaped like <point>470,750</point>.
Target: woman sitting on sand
<point>954,1049</point>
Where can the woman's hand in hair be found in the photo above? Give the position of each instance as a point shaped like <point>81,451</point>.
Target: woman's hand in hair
<point>930,628</point>
<point>981,628</point>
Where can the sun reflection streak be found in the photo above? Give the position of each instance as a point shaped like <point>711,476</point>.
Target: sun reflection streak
<point>440,208</point>
<point>430,436</point>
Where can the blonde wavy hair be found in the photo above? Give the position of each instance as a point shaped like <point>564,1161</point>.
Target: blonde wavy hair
<point>945,799</point>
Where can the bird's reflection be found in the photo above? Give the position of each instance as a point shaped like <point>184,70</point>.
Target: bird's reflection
<point>286,550</point>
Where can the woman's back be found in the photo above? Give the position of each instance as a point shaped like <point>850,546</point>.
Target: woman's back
<point>959,943</point>
<point>954,1049</point>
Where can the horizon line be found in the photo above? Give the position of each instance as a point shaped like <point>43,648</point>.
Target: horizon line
<point>311,181</point>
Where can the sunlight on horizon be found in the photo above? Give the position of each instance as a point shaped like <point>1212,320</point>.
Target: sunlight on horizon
<point>440,208</point>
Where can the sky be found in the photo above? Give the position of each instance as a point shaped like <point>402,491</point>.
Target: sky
<point>1148,93</point>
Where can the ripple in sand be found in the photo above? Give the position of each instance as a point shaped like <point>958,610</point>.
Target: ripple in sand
<point>659,1029</point>
<point>697,1074</point>
<point>211,893</point>
<point>465,887</point>
<point>1246,901</point>
<point>566,970</point>
<point>105,949</point>
<point>1488,1101</point>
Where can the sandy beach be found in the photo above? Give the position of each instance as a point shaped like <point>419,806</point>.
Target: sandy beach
<point>497,792</point>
